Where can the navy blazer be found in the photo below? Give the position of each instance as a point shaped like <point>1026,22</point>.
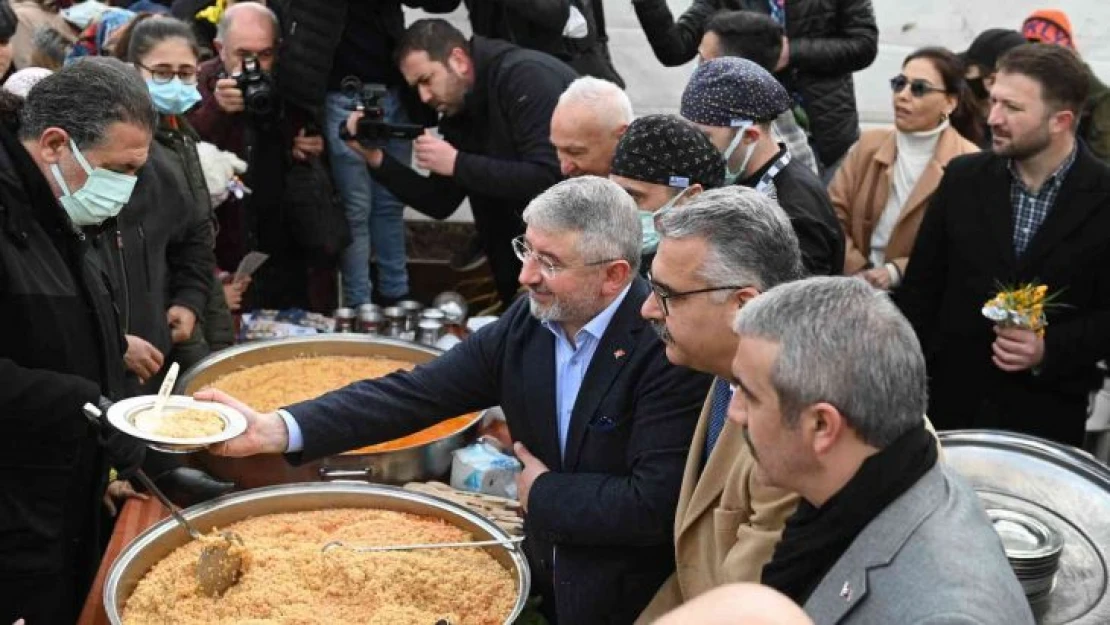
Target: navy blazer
<point>606,509</point>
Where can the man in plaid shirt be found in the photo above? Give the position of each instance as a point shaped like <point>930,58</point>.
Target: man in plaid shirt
<point>1034,210</point>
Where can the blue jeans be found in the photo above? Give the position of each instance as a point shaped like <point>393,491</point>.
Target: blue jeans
<point>375,216</point>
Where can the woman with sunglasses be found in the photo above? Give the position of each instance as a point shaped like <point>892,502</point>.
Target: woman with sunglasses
<point>883,188</point>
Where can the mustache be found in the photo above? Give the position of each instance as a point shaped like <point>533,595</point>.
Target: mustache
<point>661,330</point>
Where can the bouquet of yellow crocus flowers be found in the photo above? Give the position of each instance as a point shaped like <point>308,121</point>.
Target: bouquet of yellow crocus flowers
<point>1020,307</point>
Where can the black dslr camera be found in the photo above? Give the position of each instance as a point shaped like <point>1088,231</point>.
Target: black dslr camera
<point>373,131</point>
<point>257,87</point>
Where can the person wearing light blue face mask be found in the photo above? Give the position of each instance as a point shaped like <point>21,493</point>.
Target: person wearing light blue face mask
<point>83,134</point>
<point>165,52</point>
<point>735,102</point>
<point>100,198</point>
<point>663,162</point>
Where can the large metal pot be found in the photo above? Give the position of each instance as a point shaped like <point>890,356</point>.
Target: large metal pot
<point>1062,486</point>
<point>420,463</point>
<point>160,540</point>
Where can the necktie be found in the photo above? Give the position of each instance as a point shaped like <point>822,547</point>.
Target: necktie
<point>718,412</point>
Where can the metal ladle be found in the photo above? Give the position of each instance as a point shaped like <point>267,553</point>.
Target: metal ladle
<point>509,543</point>
<point>218,567</point>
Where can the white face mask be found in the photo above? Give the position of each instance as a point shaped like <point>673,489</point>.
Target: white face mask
<point>731,176</point>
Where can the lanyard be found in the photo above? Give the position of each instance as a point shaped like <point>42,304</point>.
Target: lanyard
<point>766,182</point>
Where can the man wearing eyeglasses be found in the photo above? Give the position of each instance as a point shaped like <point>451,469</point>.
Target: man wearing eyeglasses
<point>735,102</point>
<point>716,253</point>
<point>601,420</point>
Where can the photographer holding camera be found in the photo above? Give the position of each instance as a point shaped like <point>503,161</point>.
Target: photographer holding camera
<point>496,101</point>
<point>241,112</point>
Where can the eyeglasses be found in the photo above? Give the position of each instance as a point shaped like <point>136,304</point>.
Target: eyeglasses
<point>662,294</point>
<point>548,267</point>
<point>162,74</point>
<point>918,86</point>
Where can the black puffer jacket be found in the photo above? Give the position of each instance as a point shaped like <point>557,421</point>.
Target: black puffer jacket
<point>60,347</point>
<point>829,39</point>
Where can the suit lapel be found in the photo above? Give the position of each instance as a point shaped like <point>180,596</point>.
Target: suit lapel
<point>539,380</point>
<point>614,350</point>
<point>994,200</point>
<point>693,467</point>
<point>845,585</point>
<point>1074,205</point>
<point>712,480</point>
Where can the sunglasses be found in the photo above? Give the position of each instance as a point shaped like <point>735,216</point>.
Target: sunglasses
<point>918,87</point>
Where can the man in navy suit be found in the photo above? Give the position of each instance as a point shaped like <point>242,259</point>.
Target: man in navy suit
<point>602,421</point>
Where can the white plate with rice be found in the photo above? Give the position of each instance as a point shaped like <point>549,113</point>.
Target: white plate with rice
<point>185,425</point>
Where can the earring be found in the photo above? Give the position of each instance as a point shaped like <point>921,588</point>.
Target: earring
<point>944,117</point>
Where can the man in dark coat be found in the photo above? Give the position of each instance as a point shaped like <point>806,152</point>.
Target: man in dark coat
<point>826,41</point>
<point>496,101</point>
<point>1034,210</point>
<point>84,134</point>
<point>601,419</point>
<point>734,101</point>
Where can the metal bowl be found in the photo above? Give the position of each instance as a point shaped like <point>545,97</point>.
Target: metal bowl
<point>160,540</point>
<point>1066,490</point>
<point>431,460</point>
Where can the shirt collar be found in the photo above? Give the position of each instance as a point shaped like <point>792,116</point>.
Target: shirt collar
<point>597,326</point>
<point>1057,176</point>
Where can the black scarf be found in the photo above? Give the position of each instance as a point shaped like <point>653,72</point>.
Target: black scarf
<point>815,538</point>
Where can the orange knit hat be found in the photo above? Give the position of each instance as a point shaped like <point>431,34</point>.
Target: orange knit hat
<point>1049,26</point>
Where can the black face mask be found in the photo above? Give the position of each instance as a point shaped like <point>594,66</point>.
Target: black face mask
<point>978,88</point>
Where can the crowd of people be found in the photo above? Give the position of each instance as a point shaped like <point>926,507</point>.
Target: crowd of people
<point>722,330</point>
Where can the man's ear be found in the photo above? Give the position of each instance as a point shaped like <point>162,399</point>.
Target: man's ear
<point>51,144</point>
<point>459,61</point>
<point>827,426</point>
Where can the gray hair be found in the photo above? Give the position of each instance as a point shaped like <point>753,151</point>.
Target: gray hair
<point>259,10</point>
<point>84,98</point>
<point>749,237</point>
<point>608,101</point>
<point>604,214</point>
<point>845,343</point>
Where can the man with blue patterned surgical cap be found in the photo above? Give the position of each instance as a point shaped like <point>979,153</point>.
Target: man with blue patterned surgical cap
<point>663,161</point>
<point>734,102</point>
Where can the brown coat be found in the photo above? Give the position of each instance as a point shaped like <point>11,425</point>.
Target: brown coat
<point>861,186</point>
<point>726,524</point>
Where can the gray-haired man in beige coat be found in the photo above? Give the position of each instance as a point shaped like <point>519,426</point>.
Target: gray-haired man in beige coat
<point>716,253</point>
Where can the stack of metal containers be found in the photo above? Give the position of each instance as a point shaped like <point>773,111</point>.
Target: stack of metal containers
<point>1033,549</point>
<point>408,320</point>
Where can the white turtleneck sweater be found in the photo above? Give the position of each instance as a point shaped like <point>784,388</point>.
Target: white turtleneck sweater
<point>913,150</point>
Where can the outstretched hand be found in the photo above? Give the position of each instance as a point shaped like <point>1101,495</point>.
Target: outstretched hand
<point>265,434</point>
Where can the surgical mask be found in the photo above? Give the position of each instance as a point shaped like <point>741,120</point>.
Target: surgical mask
<point>103,196</point>
<point>173,97</point>
<point>731,176</point>
<point>649,239</point>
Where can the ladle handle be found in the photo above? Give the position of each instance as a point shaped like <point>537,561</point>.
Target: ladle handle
<point>149,484</point>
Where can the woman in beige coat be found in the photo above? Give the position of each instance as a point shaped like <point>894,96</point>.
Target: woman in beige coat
<point>881,191</point>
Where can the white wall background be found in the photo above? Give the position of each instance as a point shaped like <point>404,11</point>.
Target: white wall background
<point>904,25</point>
